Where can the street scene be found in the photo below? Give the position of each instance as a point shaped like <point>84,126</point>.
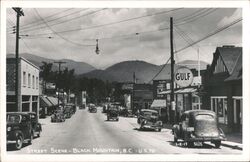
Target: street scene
<point>108,137</point>
<point>124,81</point>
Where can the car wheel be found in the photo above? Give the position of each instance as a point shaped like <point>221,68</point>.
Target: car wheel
<point>217,144</point>
<point>117,119</point>
<point>19,142</point>
<point>159,129</point>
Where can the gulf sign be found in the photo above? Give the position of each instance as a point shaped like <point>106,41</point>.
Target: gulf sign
<point>183,77</point>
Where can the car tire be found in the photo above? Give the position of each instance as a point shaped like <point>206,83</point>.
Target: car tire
<point>159,129</point>
<point>19,142</point>
<point>217,144</point>
<point>117,119</point>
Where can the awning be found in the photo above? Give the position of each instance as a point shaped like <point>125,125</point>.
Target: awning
<point>158,103</point>
<point>44,102</point>
<point>54,100</point>
<point>180,91</point>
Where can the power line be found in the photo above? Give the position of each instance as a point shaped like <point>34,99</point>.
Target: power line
<point>59,34</point>
<point>211,34</point>
<point>203,38</point>
<point>57,13</point>
<point>32,28</point>
<point>191,19</point>
<point>113,23</point>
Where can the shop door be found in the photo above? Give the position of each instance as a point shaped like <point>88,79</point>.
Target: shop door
<point>238,114</point>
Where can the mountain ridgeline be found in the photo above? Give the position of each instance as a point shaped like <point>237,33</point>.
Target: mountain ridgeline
<point>120,72</point>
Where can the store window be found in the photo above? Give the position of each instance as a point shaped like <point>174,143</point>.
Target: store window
<point>33,82</point>
<point>219,105</point>
<point>29,80</point>
<point>24,78</point>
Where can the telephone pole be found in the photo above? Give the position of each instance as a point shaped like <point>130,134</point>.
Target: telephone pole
<point>173,107</point>
<point>19,13</point>
<point>58,77</point>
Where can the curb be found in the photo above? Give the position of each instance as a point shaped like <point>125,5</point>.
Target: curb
<point>233,145</point>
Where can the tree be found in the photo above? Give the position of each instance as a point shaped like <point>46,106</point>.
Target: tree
<point>46,73</point>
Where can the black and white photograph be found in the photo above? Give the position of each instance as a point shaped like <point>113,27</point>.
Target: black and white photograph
<point>127,80</point>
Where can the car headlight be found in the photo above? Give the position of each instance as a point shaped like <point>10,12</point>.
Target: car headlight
<point>9,129</point>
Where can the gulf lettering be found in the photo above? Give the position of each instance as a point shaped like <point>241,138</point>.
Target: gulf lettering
<point>182,76</point>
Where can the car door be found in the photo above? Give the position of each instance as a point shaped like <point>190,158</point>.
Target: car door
<point>25,126</point>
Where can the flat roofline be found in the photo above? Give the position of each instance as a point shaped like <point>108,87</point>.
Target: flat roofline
<point>22,58</point>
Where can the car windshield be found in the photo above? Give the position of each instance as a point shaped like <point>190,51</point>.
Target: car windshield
<point>13,118</point>
<point>149,114</point>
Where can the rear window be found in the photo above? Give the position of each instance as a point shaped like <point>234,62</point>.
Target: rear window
<point>13,118</point>
<point>204,117</point>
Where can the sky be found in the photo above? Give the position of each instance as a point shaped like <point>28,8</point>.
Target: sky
<point>123,33</point>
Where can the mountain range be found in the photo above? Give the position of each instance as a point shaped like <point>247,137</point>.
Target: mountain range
<point>120,72</point>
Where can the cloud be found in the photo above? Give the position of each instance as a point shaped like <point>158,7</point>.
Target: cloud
<point>228,19</point>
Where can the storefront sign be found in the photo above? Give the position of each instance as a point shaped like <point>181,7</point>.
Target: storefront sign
<point>183,77</point>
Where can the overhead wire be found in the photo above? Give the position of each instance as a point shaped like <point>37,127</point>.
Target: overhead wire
<point>195,42</point>
<point>52,15</point>
<point>192,19</point>
<point>113,23</point>
<point>75,43</point>
<point>33,28</point>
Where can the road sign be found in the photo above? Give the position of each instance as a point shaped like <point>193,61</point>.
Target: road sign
<point>183,77</point>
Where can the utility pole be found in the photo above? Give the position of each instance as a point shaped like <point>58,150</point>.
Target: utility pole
<point>173,107</point>
<point>19,13</point>
<point>59,74</point>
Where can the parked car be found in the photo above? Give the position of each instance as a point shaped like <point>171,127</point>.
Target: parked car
<point>148,118</point>
<point>69,110</point>
<point>19,129</point>
<point>92,108</point>
<point>198,126</point>
<point>36,126</point>
<point>113,113</point>
<point>58,116</point>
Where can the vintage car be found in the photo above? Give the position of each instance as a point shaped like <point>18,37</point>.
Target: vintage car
<point>69,110</point>
<point>36,126</point>
<point>19,129</point>
<point>58,116</point>
<point>113,113</point>
<point>198,126</point>
<point>148,118</point>
<point>92,108</point>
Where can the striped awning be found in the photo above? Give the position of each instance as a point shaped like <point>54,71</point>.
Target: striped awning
<point>44,102</point>
<point>53,100</point>
<point>180,91</point>
<point>157,103</point>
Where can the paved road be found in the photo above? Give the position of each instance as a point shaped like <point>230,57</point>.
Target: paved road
<point>90,133</point>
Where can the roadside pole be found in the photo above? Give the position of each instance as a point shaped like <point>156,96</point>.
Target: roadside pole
<point>19,13</point>
<point>58,79</point>
<point>173,108</point>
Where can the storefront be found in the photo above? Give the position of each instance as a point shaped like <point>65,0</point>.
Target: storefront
<point>223,84</point>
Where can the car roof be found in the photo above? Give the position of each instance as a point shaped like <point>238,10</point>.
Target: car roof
<point>18,113</point>
<point>149,110</point>
<point>195,112</point>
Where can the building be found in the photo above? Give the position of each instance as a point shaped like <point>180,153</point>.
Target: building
<point>137,96</point>
<point>223,86</point>
<point>142,96</point>
<point>186,98</point>
<point>28,86</point>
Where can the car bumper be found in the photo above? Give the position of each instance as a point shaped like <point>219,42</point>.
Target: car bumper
<point>203,139</point>
<point>152,126</point>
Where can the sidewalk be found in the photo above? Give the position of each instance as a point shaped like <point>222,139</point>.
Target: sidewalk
<point>234,140</point>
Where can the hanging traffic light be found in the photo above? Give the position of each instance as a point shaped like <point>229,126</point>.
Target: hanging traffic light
<point>97,51</point>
